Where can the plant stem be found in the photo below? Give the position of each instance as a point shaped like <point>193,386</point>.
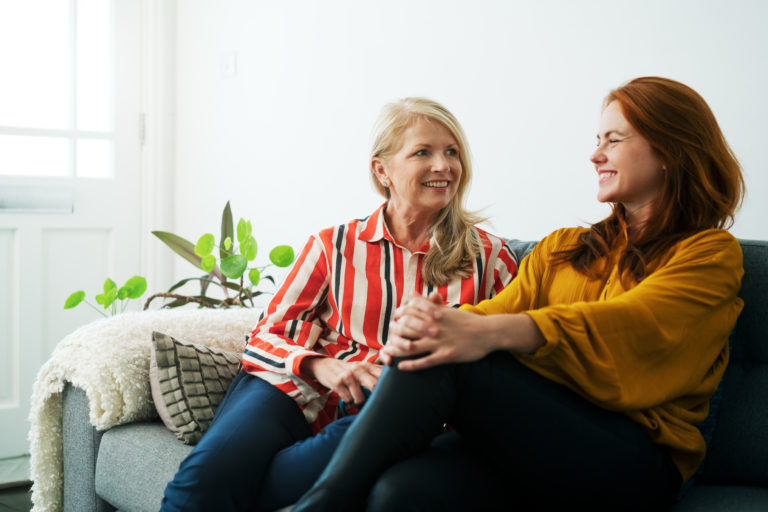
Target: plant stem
<point>97,309</point>
<point>180,297</point>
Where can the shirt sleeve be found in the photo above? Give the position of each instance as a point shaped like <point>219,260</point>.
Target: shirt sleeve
<point>651,344</point>
<point>290,328</point>
<point>502,268</point>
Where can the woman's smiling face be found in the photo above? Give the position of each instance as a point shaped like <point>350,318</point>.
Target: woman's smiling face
<point>629,171</point>
<point>423,175</point>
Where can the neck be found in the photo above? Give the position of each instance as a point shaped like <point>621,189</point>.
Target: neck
<point>409,228</point>
<point>637,217</point>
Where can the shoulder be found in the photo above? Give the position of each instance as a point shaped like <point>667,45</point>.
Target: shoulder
<point>561,239</point>
<point>332,233</point>
<point>710,244</point>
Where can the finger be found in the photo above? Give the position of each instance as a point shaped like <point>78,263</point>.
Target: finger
<point>398,346</point>
<point>385,358</point>
<point>409,310</point>
<point>421,363</point>
<point>436,298</point>
<point>369,381</point>
<point>412,328</point>
<point>356,391</point>
<point>425,306</point>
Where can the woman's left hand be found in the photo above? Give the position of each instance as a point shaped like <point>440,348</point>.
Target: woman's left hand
<point>445,334</point>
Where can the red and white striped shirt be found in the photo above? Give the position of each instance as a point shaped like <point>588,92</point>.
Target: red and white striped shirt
<point>339,298</point>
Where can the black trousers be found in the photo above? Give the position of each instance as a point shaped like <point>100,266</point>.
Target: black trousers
<point>541,446</point>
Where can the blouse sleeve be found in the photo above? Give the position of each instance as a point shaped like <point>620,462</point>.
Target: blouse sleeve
<point>290,327</point>
<point>655,342</point>
<point>502,269</point>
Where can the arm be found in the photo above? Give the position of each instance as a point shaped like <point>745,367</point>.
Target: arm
<point>289,330</point>
<point>285,341</point>
<point>501,265</point>
<point>656,342</point>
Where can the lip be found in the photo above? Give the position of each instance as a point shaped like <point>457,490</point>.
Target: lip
<point>430,184</point>
<point>606,174</point>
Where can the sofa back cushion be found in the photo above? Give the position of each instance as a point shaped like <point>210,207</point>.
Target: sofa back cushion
<point>738,452</point>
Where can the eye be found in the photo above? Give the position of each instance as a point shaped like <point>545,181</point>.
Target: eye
<point>452,152</point>
<point>613,141</point>
<point>421,152</point>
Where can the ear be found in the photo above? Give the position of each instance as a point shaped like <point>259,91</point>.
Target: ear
<point>378,170</point>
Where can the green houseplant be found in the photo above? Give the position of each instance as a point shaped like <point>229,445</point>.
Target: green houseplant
<point>237,249</point>
<point>111,296</point>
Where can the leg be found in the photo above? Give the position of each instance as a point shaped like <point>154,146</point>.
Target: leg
<point>566,451</point>
<point>294,469</point>
<point>403,414</point>
<point>551,427</point>
<point>224,471</point>
<point>448,476</point>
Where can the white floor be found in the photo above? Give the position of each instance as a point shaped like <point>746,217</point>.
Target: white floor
<point>14,471</point>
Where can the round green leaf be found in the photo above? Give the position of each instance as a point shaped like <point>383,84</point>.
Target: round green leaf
<point>74,299</point>
<point>249,249</point>
<point>234,266</point>
<point>110,285</point>
<point>123,292</point>
<point>242,230</point>
<point>253,276</point>
<point>107,298</point>
<point>208,262</point>
<point>205,245</point>
<point>136,286</point>
<point>282,255</point>
<point>228,243</point>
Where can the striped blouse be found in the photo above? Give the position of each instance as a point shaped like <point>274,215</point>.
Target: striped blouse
<point>339,298</point>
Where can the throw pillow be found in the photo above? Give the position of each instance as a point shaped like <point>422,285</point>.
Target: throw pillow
<point>188,382</point>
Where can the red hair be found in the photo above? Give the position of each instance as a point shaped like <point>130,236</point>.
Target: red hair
<point>703,185</point>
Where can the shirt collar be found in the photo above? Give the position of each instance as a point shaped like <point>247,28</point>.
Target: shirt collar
<point>375,230</point>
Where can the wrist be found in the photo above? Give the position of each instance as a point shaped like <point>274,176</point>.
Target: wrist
<point>309,364</point>
<point>515,332</point>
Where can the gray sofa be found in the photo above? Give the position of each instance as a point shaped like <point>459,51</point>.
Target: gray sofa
<point>127,467</point>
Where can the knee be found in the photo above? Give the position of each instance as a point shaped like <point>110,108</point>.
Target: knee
<point>397,491</point>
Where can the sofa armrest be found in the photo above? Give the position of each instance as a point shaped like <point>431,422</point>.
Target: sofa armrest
<point>80,450</point>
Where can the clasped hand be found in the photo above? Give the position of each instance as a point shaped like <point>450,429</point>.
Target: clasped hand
<point>443,334</point>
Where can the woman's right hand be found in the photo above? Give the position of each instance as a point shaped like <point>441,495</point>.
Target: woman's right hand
<point>344,377</point>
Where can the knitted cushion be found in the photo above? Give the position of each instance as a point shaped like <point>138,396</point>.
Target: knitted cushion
<point>188,382</point>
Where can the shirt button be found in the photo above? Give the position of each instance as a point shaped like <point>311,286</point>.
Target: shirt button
<point>608,282</point>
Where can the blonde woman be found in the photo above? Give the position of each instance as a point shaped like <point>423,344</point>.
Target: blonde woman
<point>314,355</point>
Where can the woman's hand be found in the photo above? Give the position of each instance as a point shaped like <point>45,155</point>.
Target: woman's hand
<point>344,377</point>
<point>448,335</point>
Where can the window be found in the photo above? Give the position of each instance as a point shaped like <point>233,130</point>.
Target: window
<point>56,95</point>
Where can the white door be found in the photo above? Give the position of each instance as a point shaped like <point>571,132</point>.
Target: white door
<point>69,178</point>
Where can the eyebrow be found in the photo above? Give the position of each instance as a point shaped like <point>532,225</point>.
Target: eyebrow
<point>609,132</point>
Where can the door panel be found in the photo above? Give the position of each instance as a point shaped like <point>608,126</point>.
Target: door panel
<point>47,254</point>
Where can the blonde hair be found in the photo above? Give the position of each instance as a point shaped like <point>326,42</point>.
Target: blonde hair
<point>455,245</point>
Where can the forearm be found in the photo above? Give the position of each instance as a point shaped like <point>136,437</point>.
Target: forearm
<point>517,333</point>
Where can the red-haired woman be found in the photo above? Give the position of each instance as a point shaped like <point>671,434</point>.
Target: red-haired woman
<point>582,383</point>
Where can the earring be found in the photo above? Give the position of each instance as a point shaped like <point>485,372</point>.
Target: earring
<point>385,183</point>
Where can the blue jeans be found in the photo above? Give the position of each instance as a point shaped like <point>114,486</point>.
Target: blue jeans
<point>258,454</point>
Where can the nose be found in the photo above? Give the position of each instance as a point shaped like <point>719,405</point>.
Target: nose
<point>440,163</point>
<point>598,157</point>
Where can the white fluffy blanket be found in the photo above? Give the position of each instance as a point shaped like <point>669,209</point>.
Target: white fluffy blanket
<point>109,360</point>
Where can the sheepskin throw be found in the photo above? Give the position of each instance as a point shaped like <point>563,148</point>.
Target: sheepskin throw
<point>188,383</point>
<point>109,360</point>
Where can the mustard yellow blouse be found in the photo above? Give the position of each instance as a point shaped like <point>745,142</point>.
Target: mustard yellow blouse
<point>655,351</point>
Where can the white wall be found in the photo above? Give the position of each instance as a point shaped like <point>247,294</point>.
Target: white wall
<point>285,136</point>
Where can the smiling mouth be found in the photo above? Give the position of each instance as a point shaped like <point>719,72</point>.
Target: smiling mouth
<point>606,175</point>
<point>436,184</point>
